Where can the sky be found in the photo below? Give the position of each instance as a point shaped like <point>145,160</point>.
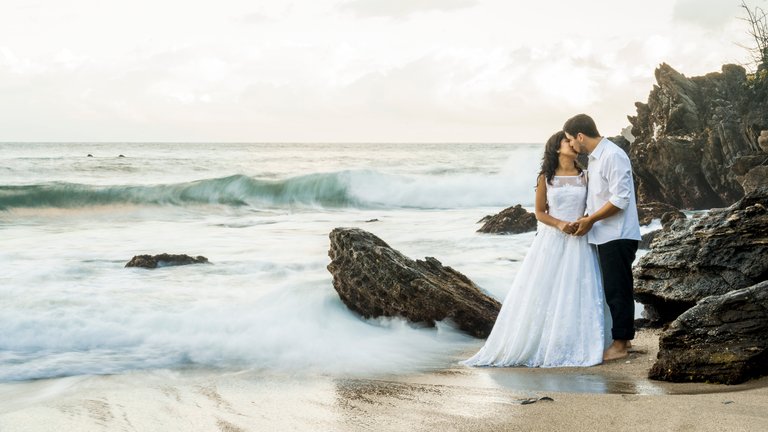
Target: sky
<point>437,71</point>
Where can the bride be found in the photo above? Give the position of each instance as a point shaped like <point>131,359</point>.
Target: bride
<point>554,312</point>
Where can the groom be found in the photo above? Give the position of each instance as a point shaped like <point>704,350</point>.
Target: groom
<point>611,224</point>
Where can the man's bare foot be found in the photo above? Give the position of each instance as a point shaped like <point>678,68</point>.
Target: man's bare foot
<point>617,350</point>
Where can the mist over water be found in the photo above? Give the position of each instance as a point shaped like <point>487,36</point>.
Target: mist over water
<point>261,214</point>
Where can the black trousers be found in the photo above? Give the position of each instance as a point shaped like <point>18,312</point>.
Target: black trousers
<point>616,259</point>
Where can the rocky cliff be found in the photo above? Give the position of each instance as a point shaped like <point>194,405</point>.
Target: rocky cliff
<point>696,138</point>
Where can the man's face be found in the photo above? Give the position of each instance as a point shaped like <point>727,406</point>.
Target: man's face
<point>575,142</point>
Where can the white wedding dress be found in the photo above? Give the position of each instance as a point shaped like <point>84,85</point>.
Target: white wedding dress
<point>554,314</point>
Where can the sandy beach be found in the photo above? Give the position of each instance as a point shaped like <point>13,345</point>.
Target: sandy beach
<point>614,396</point>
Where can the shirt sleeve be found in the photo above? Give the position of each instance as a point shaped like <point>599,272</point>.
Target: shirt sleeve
<point>619,174</point>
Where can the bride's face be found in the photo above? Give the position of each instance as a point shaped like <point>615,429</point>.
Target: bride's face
<point>566,149</point>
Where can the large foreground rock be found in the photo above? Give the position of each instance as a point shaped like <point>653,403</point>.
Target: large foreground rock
<point>725,250</point>
<point>723,339</point>
<point>375,280</point>
<point>164,260</point>
<point>512,220</point>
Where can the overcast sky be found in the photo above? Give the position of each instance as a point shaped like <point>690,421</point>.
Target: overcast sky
<point>344,70</point>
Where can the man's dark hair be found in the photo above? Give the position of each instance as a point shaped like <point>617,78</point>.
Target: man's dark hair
<point>581,123</point>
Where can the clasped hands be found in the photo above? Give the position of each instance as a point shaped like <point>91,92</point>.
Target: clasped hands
<point>577,228</point>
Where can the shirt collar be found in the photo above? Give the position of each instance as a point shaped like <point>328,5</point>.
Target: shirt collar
<point>598,149</point>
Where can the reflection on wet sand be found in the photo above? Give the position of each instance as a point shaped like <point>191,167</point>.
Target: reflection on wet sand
<point>547,381</point>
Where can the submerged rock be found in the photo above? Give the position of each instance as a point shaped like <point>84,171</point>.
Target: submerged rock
<point>720,252</point>
<point>375,280</point>
<point>164,260</point>
<point>512,220</point>
<point>723,339</point>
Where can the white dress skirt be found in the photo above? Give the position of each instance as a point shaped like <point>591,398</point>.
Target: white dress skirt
<point>554,313</point>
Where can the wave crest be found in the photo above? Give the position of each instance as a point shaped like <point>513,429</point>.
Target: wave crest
<point>358,188</point>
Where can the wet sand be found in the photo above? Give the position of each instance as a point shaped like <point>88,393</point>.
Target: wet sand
<point>613,396</point>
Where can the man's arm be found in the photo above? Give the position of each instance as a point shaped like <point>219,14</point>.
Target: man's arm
<point>585,223</point>
<point>619,174</point>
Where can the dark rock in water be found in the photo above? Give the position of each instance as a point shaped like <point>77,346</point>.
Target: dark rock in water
<point>164,260</point>
<point>371,220</point>
<point>714,254</point>
<point>723,339</point>
<point>375,280</point>
<point>90,155</point>
<point>691,132</point>
<point>121,156</point>
<point>649,211</point>
<point>513,220</point>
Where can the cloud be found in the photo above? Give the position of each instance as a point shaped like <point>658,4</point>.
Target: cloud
<point>254,18</point>
<point>310,72</point>
<point>707,14</point>
<point>195,93</point>
<point>402,8</point>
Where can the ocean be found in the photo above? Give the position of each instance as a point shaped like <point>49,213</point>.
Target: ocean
<point>261,213</point>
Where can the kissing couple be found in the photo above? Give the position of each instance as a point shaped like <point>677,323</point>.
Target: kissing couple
<point>580,261</point>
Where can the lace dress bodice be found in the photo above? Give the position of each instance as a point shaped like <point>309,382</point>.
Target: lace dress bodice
<point>567,197</point>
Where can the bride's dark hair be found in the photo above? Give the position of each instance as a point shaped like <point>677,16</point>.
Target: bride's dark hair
<point>551,158</point>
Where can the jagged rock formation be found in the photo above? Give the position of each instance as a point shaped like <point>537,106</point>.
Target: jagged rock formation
<point>375,280</point>
<point>692,132</point>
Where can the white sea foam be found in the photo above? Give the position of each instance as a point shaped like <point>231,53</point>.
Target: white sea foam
<point>293,330</point>
<point>266,303</point>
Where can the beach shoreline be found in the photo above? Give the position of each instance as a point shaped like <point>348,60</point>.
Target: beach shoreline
<point>617,395</point>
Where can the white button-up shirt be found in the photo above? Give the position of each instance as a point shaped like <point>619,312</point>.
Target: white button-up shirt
<point>610,180</point>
